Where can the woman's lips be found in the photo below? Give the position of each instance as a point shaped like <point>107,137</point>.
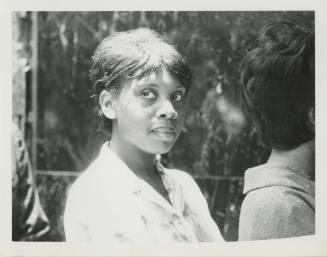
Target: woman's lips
<point>164,130</point>
<point>165,133</point>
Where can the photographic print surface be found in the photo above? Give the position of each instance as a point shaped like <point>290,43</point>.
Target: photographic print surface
<point>55,111</point>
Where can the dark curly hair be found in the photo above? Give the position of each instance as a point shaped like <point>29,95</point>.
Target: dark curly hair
<point>133,54</point>
<point>278,84</point>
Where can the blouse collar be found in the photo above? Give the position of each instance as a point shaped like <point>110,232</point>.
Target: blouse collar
<point>267,175</point>
<point>132,182</point>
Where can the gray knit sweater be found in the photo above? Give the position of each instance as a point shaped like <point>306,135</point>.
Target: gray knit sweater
<point>279,203</point>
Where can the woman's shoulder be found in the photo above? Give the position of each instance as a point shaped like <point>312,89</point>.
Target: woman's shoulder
<point>85,182</point>
<point>91,182</point>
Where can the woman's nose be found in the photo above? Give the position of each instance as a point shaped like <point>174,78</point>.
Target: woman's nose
<point>166,110</point>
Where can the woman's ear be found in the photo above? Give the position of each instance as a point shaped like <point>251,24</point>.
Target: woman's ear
<point>311,119</point>
<point>106,101</point>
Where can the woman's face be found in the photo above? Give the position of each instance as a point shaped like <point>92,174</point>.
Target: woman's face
<point>149,113</point>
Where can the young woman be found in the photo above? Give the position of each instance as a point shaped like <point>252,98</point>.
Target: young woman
<point>126,195</point>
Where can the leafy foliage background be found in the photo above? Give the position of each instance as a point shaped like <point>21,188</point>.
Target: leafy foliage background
<point>218,141</point>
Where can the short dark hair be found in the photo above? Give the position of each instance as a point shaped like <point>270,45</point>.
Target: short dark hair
<point>278,84</point>
<point>133,54</point>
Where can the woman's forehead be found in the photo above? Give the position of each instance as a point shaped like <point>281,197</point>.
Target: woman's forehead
<point>160,77</point>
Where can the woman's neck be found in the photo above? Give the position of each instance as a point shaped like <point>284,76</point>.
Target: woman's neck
<point>300,159</point>
<point>140,162</point>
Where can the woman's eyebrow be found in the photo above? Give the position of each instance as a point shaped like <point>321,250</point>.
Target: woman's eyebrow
<point>181,88</point>
<point>151,84</point>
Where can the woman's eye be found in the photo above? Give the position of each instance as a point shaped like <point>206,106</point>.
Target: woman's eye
<point>148,94</point>
<point>178,97</point>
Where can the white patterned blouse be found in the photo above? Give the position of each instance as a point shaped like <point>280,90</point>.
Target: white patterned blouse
<point>109,203</point>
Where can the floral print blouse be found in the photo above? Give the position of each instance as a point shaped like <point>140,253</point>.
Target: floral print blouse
<point>109,203</point>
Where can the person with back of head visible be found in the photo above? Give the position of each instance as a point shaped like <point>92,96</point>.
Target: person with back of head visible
<point>278,89</point>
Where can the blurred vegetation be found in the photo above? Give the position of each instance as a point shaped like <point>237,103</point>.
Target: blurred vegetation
<point>218,138</point>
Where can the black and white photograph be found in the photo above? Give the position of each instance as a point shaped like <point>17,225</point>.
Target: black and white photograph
<point>159,127</point>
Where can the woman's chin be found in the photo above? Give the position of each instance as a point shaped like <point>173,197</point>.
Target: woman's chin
<point>159,146</point>
<point>162,148</point>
